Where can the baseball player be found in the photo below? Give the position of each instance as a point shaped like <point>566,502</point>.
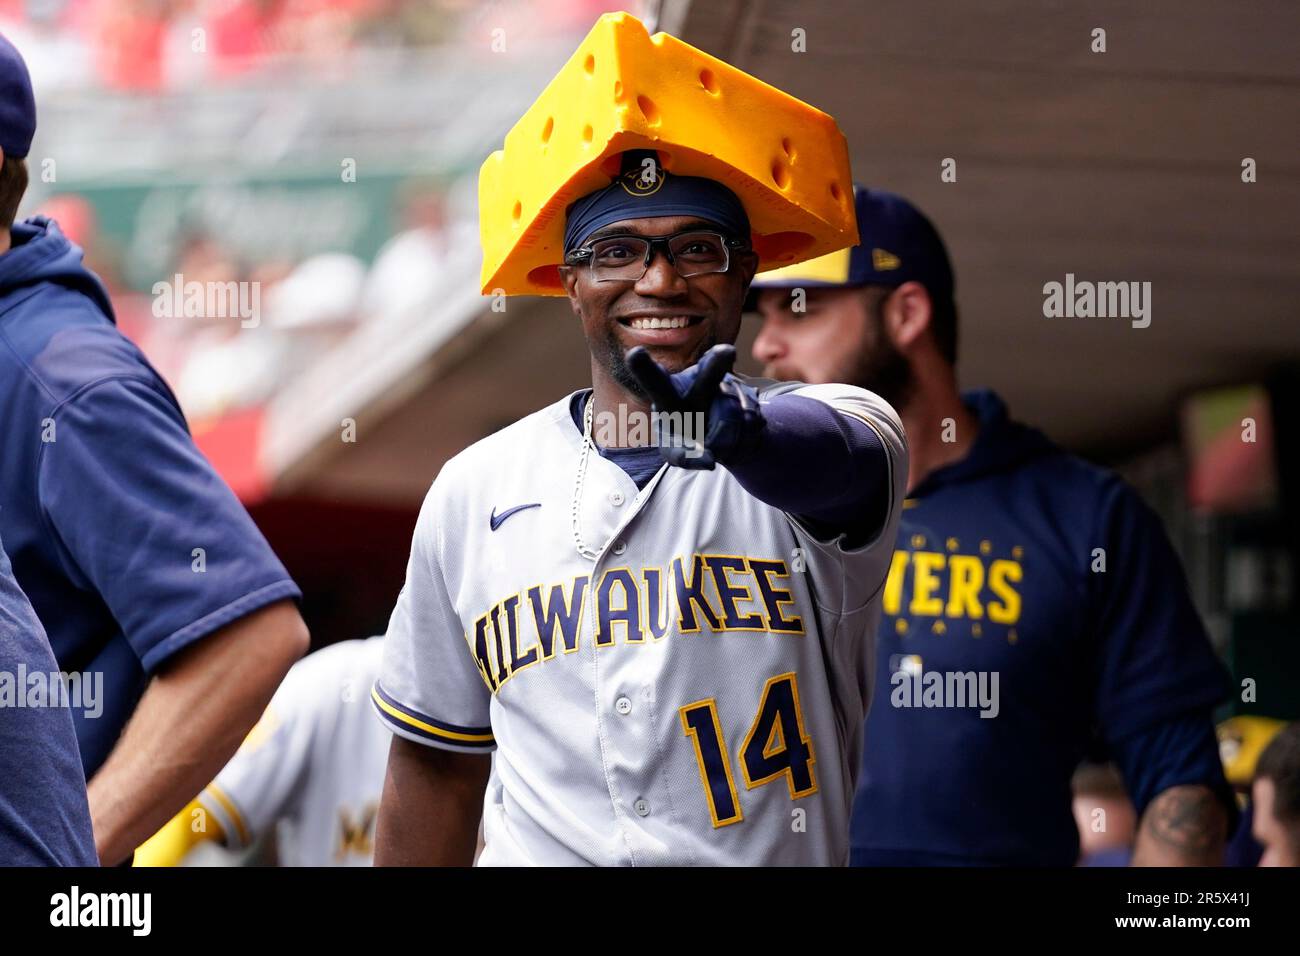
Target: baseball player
<point>1032,603</point>
<point>665,643</point>
<point>144,569</point>
<point>311,769</point>
<point>44,818</point>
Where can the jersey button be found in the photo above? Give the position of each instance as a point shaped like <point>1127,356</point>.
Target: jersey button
<point>623,705</point>
<point>642,808</point>
<point>616,498</point>
<point>620,547</point>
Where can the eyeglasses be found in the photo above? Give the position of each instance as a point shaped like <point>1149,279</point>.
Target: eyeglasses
<point>626,258</point>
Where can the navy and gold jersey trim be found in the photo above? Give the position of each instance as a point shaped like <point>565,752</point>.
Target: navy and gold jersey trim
<point>242,835</point>
<point>422,725</point>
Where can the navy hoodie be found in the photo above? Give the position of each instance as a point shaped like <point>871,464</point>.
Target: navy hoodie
<point>44,818</point>
<point>127,543</point>
<point>1034,606</point>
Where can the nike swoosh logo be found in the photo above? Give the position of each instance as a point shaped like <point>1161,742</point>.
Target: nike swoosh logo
<point>496,519</point>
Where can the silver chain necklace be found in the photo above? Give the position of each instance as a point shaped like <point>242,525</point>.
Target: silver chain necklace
<point>582,474</point>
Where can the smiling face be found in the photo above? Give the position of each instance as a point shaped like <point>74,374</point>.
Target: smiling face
<point>676,319</point>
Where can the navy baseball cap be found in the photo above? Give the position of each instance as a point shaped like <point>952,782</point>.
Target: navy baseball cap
<point>898,244</point>
<point>17,105</point>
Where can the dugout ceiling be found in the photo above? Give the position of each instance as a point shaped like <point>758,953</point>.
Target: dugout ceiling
<point>1115,166</point>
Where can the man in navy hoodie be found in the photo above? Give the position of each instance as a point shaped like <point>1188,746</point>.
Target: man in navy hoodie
<point>1034,608</point>
<point>145,570</point>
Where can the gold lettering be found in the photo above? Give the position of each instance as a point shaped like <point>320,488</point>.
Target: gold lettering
<point>965,578</point>
<point>894,583</point>
<point>1006,611</point>
<point>925,582</point>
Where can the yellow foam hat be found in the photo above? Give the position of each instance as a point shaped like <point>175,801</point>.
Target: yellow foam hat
<point>624,89</point>
<point>1241,741</point>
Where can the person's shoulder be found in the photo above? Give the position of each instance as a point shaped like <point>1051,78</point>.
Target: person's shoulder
<point>477,472</point>
<point>537,434</point>
<point>353,658</point>
<point>60,344</point>
<point>1078,475</point>
<point>346,667</point>
<point>1091,493</point>
<point>1056,462</point>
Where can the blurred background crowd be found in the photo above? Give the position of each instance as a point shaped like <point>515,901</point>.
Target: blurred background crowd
<point>216,133</point>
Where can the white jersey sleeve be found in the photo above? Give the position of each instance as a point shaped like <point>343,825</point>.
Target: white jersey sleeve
<point>313,766</point>
<point>430,689</point>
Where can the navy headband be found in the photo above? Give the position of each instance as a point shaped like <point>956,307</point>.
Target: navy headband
<point>644,189</point>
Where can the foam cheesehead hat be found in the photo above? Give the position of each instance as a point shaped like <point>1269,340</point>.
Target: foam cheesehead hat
<point>624,91</point>
<point>897,244</point>
<point>1242,739</point>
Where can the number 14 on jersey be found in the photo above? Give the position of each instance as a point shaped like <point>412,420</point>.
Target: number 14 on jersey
<point>776,747</point>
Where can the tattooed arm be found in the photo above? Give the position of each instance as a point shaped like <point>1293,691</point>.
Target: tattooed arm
<point>1174,776</point>
<point>1183,826</point>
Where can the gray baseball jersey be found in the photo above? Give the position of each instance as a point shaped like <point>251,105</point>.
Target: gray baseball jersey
<point>313,766</point>
<point>693,695</point>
